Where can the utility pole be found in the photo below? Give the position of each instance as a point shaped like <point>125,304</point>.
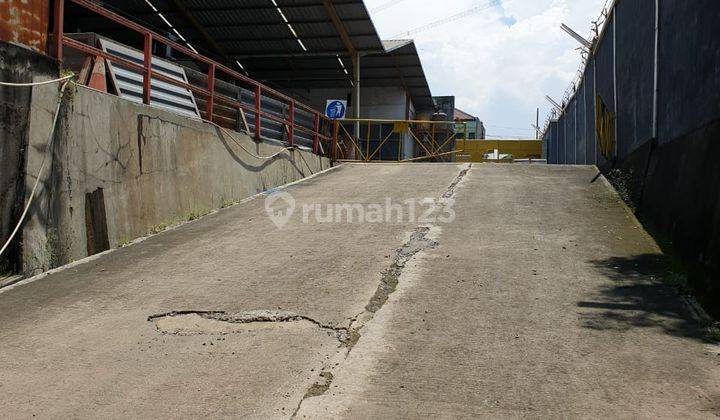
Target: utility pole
<point>537,124</point>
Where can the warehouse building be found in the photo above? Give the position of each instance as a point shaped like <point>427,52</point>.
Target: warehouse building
<point>312,51</point>
<point>183,106</point>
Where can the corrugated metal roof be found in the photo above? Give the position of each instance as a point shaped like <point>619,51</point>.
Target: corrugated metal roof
<point>255,33</point>
<point>400,66</point>
<point>400,63</point>
<point>391,44</point>
<point>462,115</point>
<point>246,28</point>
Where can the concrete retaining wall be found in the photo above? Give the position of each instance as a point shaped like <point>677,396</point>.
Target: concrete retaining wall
<point>18,107</point>
<point>120,170</point>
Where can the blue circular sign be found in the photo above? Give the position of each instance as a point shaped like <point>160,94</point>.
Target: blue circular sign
<point>335,110</point>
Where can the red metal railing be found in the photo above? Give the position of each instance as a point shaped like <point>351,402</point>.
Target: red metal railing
<point>60,41</point>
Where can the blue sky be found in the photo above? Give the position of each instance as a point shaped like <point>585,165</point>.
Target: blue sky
<point>499,63</point>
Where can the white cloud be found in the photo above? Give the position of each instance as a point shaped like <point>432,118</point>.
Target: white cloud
<point>501,62</point>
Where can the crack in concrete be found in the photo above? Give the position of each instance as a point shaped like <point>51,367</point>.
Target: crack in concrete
<point>248,317</point>
<point>321,386</point>
<point>349,336</point>
<point>450,192</point>
<point>418,242</point>
<point>390,278</point>
<point>180,313</point>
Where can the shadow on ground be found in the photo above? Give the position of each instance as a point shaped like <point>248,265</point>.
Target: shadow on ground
<point>644,293</point>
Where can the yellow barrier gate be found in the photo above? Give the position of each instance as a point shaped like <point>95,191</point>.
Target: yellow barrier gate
<point>502,151</point>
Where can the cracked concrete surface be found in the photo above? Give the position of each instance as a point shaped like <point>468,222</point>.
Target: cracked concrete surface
<point>494,321</point>
<point>542,299</point>
<point>418,242</point>
<point>78,343</point>
<point>209,323</point>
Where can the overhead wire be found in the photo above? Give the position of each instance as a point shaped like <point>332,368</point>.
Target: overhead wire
<point>237,142</point>
<point>46,82</point>
<point>385,6</point>
<point>501,127</point>
<point>449,19</point>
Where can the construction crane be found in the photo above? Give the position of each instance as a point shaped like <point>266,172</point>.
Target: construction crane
<point>385,5</point>
<point>449,19</point>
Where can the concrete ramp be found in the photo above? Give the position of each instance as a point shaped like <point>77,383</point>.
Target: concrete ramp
<point>512,290</point>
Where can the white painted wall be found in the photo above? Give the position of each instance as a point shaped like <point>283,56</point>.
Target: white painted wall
<point>380,103</point>
<point>375,103</point>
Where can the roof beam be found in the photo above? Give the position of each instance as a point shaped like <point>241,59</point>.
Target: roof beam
<point>319,69</point>
<point>339,76</point>
<point>190,18</point>
<point>262,24</point>
<point>281,54</point>
<point>400,74</point>
<point>225,24</point>
<point>340,27</point>
<point>279,38</point>
<point>241,8</point>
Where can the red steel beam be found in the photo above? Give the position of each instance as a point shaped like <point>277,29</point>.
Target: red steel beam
<point>59,19</point>
<point>147,68</point>
<point>90,50</point>
<point>291,128</point>
<point>316,133</point>
<point>258,103</point>
<point>211,88</point>
<point>148,73</point>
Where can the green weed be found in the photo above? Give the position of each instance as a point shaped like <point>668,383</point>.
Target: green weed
<point>622,182</point>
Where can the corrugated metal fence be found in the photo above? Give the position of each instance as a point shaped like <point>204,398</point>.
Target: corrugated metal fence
<point>653,82</point>
<point>654,69</point>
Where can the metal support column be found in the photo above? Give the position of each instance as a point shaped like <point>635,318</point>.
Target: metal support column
<point>656,70</point>
<point>615,86</point>
<point>147,66</point>
<point>209,108</point>
<point>58,29</point>
<point>316,133</point>
<point>334,149</point>
<point>356,94</point>
<point>291,126</point>
<point>258,110</point>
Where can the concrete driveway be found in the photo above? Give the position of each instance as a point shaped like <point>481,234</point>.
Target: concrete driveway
<point>540,296</point>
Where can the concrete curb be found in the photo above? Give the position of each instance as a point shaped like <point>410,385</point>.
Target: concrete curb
<point>696,310</point>
<point>628,210</point>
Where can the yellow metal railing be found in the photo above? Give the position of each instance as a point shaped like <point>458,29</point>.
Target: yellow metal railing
<point>383,140</point>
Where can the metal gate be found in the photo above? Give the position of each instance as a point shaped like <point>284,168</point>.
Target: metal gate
<point>378,140</point>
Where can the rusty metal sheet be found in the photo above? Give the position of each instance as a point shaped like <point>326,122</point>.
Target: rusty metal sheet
<point>25,22</point>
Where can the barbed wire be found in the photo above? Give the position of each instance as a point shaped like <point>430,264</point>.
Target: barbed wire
<point>596,27</point>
